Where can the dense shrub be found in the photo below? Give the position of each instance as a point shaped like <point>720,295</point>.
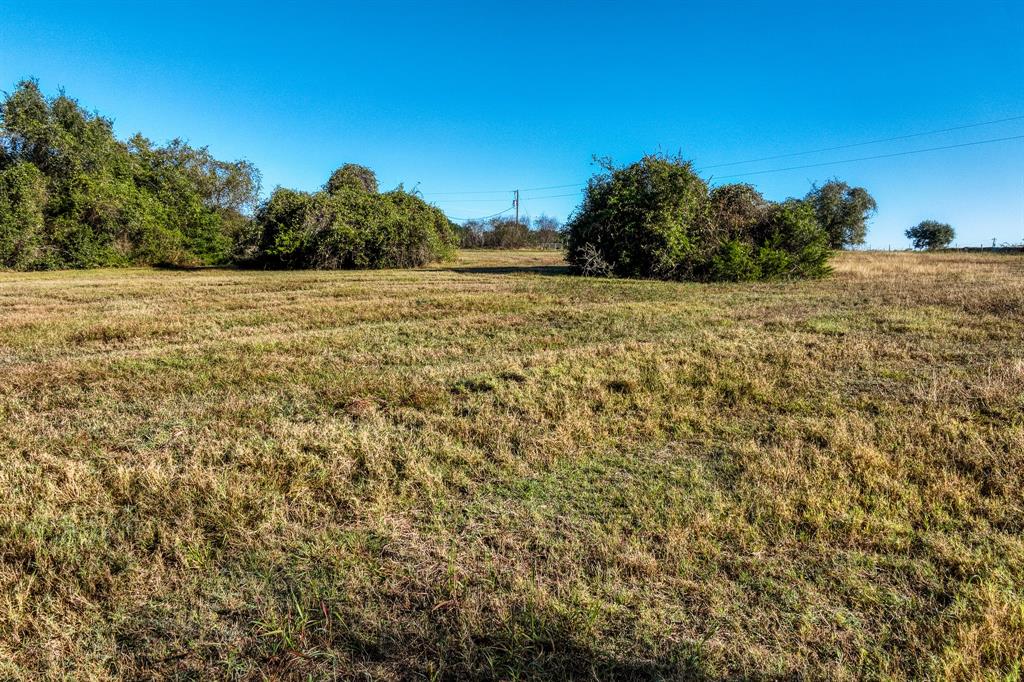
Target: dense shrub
<point>73,195</point>
<point>842,211</point>
<point>787,243</point>
<point>22,198</point>
<point>347,225</point>
<point>644,220</point>
<point>735,208</point>
<point>931,235</point>
<point>656,218</point>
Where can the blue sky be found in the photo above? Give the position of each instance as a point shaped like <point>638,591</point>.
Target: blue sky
<point>473,97</point>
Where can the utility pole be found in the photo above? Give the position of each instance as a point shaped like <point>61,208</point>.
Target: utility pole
<point>515,202</point>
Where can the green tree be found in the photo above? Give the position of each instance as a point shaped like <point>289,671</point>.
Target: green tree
<point>843,212</point>
<point>108,202</point>
<point>931,235</point>
<point>22,197</point>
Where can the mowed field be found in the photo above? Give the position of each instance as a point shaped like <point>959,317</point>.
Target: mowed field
<point>492,469</point>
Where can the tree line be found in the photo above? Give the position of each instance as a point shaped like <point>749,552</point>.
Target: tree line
<point>72,195</point>
<point>543,232</point>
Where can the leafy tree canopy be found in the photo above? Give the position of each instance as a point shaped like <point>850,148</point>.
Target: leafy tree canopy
<point>843,211</point>
<point>73,195</point>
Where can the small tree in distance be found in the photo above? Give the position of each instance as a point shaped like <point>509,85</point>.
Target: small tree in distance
<point>931,235</point>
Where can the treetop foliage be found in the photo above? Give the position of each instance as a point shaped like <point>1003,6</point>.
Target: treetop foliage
<point>843,211</point>
<point>353,176</point>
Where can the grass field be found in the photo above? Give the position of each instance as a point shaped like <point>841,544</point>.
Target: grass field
<point>491,469</point>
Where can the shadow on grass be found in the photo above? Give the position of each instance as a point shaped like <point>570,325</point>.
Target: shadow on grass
<point>528,643</point>
<point>183,267</point>
<point>545,270</point>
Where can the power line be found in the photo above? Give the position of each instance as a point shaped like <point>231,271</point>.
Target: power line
<point>493,201</point>
<point>553,196</point>
<point>768,158</point>
<point>503,191</point>
<point>863,144</point>
<point>538,189</point>
<point>486,217</point>
<point>876,156</point>
<point>495,215</point>
<point>485,191</point>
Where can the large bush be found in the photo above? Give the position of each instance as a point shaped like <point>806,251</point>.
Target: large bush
<point>644,220</point>
<point>73,195</point>
<point>656,218</point>
<point>347,225</point>
<point>931,235</point>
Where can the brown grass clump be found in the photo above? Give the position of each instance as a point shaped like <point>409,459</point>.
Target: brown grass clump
<point>495,470</point>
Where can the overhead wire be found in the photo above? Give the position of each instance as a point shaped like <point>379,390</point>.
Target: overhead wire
<point>486,217</point>
<point>863,144</point>
<point>875,156</point>
<point>765,158</point>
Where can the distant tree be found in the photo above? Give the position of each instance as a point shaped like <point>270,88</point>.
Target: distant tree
<point>354,176</point>
<point>843,211</point>
<point>547,232</point>
<point>546,222</point>
<point>931,235</point>
<point>471,234</point>
<point>506,233</point>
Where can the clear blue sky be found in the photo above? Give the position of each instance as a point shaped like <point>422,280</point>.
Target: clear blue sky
<point>463,96</point>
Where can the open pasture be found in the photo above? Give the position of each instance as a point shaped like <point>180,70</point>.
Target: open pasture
<point>492,469</point>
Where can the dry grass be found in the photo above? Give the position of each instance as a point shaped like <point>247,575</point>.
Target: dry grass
<point>495,470</point>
